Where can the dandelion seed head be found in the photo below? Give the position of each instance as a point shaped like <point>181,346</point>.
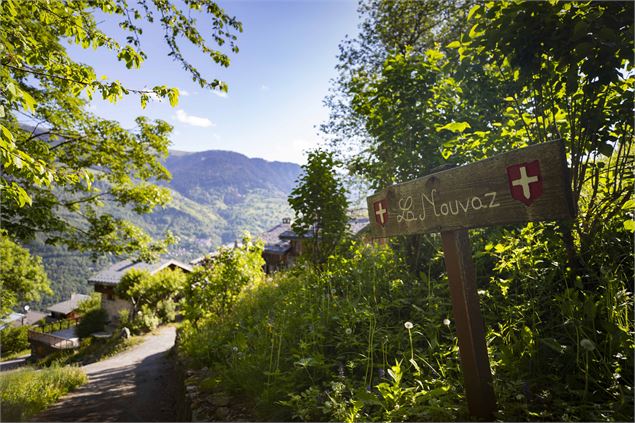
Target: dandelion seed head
<point>348,331</point>
<point>587,344</point>
<point>408,325</point>
<point>446,322</point>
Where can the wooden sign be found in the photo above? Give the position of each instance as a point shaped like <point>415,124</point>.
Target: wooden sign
<point>523,185</point>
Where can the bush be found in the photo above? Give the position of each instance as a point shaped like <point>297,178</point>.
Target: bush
<point>166,310</point>
<point>92,321</point>
<point>148,293</point>
<point>309,343</point>
<point>146,320</point>
<point>331,344</point>
<point>213,289</point>
<point>14,340</point>
<point>26,392</point>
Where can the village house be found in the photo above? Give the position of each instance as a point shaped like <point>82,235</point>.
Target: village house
<point>283,245</point>
<point>30,318</point>
<point>67,309</point>
<point>276,252</point>
<point>106,281</point>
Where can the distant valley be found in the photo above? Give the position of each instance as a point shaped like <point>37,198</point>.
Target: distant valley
<point>216,197</point>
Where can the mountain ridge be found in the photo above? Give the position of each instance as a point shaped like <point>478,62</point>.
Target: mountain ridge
<point>217,195</point>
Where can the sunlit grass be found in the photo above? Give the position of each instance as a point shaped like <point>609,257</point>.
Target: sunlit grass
<point>12,356</point>
<point>27,391</point>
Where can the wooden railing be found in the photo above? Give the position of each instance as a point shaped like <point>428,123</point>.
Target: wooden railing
<point>57,325</point>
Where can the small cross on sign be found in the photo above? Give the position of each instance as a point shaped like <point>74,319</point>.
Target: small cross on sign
<point>525,182</point>
<point>381,210</point>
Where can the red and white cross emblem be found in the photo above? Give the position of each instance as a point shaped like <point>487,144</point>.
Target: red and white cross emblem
<point>381,211</point>
<point>525,182</point>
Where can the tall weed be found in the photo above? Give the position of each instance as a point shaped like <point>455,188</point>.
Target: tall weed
<point>27,391</point>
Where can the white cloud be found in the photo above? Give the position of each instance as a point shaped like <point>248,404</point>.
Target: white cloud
<point>221,94</point>
<point>183,117</point>
<point>184,93</point>
<point>264,87</point>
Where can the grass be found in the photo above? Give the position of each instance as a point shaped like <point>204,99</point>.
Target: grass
<point>91,351</point>
<point>27,391</point>
<point>15,355</point>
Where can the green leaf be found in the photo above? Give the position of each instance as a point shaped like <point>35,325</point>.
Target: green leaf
<point>28,101</point>
<point>7,134</point>
<point>629,205</point>
<point>173,96</point>
<point>11,88</point>
<point>629,225</point>
<point>474,33</point>
<point>472,11</point>
<point>455,127</point>
<point>454,44</point>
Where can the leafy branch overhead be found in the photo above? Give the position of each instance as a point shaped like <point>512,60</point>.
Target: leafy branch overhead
<point>492,77</point>
<point>60,162</point>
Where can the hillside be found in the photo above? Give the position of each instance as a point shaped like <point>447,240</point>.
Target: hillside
<point>216,196</point>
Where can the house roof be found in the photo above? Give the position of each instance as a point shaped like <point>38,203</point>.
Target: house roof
<point>198,260</point>
<point>33,317</point>
<point>272,236</point>
<point>6,321</point>
<point>112,275</point>
<point>68,306</point>
<point>278,248</point>
<point>30,318</point>
<point>356,225</point>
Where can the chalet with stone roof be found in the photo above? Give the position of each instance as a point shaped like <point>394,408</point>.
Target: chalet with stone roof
<point>106,281</point>
<point>67,309</point>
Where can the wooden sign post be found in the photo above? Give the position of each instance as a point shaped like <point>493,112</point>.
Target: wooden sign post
<point>523,185</point>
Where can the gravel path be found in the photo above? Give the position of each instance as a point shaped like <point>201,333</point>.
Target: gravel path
<point>136,385</point>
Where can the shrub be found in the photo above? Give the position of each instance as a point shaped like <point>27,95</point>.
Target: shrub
<point>147,319</point>
<point>92,321</point>
<point>166,310</point>
<point>14,340</point>
<point>214,288</point>
<point>151,292</point>
<point>324,337</point>
<point>26,392</point>
<point>331,343</point>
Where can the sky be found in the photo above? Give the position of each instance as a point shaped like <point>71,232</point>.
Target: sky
<point>277,81</point>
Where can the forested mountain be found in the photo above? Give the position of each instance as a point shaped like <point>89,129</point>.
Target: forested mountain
<point>216,196</point>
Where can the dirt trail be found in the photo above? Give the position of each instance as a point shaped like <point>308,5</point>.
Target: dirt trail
<point>136,385</point>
